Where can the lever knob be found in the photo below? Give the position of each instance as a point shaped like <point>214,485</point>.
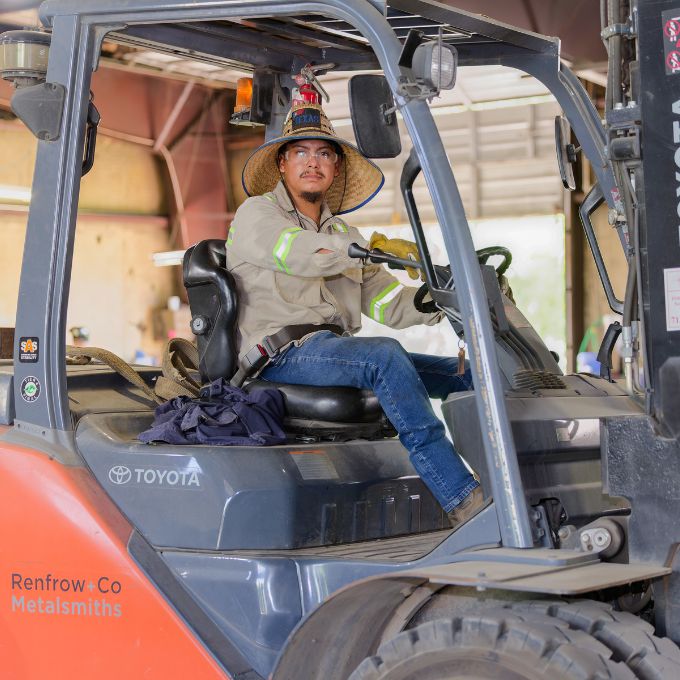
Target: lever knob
<point>200,324</point>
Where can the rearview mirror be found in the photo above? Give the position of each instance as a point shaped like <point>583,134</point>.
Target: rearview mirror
<point>566,152</point>
<point>374,117</point>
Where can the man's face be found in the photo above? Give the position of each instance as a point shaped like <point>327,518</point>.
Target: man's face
<point>309,166</point>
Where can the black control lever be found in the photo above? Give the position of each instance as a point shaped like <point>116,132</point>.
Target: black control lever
<point>604,355</point>
<point>93,119</point>
<point>376,255</point>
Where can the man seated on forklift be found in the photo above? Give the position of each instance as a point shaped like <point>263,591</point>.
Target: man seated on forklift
<point>287,251</point>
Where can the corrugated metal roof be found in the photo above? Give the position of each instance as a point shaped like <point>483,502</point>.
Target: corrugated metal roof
<point>497,126</point>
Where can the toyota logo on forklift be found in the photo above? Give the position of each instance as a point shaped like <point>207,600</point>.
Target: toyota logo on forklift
<point>120,474</point>
<point>151,476</point>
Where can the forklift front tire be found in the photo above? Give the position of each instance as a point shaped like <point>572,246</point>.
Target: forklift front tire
<point>514,645</point>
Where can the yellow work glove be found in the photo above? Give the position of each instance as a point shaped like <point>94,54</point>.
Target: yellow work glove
<point>399,247</point>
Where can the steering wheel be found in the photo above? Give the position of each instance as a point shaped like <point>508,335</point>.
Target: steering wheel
<point>429,307</point>
<point>483,255</point>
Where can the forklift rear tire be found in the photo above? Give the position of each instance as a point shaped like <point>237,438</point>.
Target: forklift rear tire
<point>629,638</point>
<point>523,644</point>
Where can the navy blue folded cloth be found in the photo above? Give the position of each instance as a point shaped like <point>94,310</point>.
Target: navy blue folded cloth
<point>223,415</point>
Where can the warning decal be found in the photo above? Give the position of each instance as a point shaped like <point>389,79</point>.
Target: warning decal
<point>314,464</point>
<point>671,280</point>
<point>671,40</point>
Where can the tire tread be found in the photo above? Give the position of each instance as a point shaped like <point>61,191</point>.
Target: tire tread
<point>562,651</point>
<point>630,639</point>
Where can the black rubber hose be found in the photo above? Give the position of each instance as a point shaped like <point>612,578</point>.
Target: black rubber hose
<point>604,10</point>
<point>615,53</point>
<point>630,299</point>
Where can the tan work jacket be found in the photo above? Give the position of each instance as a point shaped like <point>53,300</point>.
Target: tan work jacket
<point>282,279</point>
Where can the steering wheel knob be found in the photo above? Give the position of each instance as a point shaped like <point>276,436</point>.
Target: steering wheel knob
<point>200,324</point>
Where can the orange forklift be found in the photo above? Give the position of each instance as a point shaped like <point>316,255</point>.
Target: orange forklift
<point>326,557</point>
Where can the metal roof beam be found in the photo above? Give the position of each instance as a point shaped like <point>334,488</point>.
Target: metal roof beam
<point>490,52</point>
<point>476,24</point>
<point>291,29</point>
<point>232,44</point>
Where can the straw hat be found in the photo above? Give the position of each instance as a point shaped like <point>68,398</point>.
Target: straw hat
<point>358,181</point>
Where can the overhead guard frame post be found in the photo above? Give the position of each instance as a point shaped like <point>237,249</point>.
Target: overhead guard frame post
<point>46,270</point>
<point>83,16</point>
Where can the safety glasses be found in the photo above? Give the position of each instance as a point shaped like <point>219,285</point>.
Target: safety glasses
<point>302,155</point>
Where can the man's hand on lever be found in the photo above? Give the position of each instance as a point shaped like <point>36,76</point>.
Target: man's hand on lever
<point>399,247</point>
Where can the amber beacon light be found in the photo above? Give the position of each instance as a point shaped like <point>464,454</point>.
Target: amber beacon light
<point>244,94</point>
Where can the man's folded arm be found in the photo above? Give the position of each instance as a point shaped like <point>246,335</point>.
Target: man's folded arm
<point>262,236</point>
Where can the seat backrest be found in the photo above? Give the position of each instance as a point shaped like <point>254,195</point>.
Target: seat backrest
<point>213,302</point>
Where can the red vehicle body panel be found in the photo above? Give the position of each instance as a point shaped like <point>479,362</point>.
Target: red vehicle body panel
<point>73,603</point>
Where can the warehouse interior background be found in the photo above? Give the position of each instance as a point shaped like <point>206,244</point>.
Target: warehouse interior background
<point>168,166</point>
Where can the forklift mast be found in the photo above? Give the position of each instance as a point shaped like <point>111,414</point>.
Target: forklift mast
<point>655,98</point>
<point>641,453</point>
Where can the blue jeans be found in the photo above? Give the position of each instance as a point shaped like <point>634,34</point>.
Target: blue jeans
<point>403,383</point>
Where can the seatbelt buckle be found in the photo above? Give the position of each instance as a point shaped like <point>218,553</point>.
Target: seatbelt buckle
<point>270,349</point>
<point>254,359</point>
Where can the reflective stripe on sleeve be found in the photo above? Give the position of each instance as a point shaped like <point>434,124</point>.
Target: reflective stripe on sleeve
<point>339,226</point>
<point>230,235</point>
<point>380,302</point>
<point>282,247</point>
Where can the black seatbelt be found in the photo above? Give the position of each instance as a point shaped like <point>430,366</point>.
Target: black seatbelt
<point>256,358</point>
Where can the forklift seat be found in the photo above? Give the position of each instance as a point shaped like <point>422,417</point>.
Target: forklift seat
<point>214,315</point>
